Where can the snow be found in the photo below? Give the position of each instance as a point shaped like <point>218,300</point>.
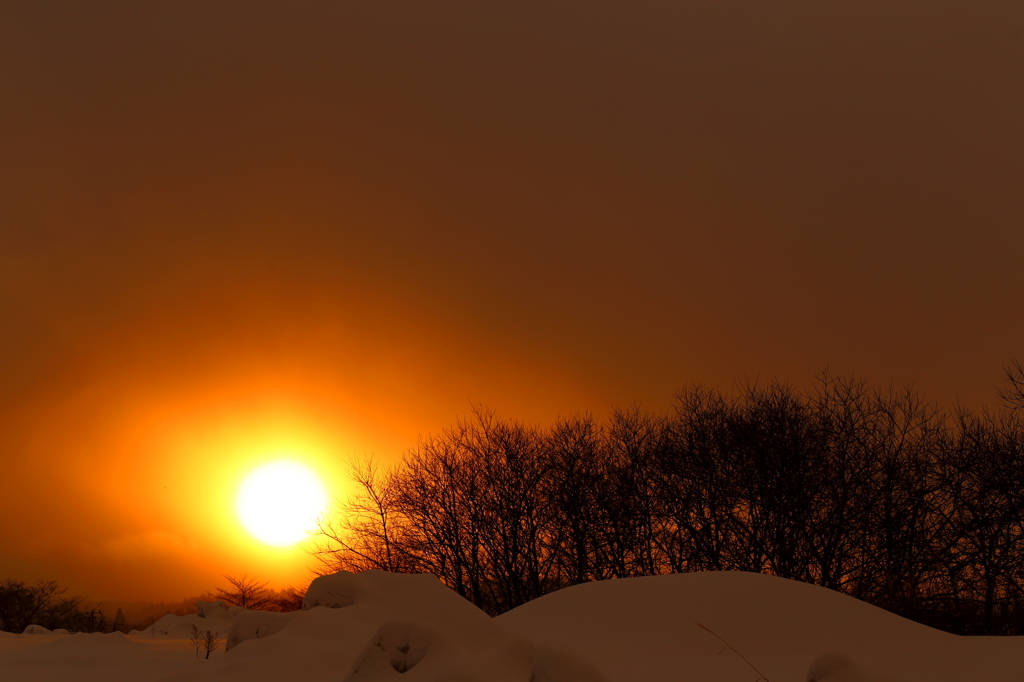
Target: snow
<point>35,630</point>
<point>833,667</point>
<point>380,627</point>
<point>213,616</point>
<point>211,609</point>
<point>89,658</point>
<point>646,628</point>
<point>254,625</point>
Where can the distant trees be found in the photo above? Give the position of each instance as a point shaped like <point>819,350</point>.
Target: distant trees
<point>22,605</point>
<point>120,623</point>
<point>288,599</point>
<point>44,604</point>
<point>874,493</point>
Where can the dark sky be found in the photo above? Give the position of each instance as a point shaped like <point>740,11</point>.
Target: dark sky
<point>234,229</point>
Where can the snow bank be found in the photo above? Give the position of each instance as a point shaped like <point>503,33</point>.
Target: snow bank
<point>381,627</point>
<point>211,609</point>
<point>418,597</point>
<point>374,626</point>
<point>255,625</point>
<point>215,617</point>
<point>333,591</point>
<point>646,629</point>
<point>87,658</point>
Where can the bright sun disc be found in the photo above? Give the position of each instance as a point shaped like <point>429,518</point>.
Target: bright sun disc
<point>280,501</point>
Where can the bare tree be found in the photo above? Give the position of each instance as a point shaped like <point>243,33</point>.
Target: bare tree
<point>366,530</point>
<point>512,511</point>
<point>695,483</point>
<point>982,474</point>
<point>43,604</point>
<point>288,599</point>
<point>196,638</point>
<point>631,517</point>
<point>1012,393</point>
<point>575,469</point>
<point>439,495</point>
<point>203,640</point>
<point>210,642</point>
<point>245,591</point>
<point>902,530</point>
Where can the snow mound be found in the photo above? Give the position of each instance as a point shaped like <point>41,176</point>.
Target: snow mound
<point>211,609</point>
<point>35,630</point>
<point>382,627</point>
<point>375,626</point>
<point>333,591</point>
<point>647,629</point>
<point>255,625</point>
<point>416,597</point>
<point>89,644</point>
<point>212,617</point>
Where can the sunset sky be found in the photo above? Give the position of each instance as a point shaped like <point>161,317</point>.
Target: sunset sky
<point>232,232</point>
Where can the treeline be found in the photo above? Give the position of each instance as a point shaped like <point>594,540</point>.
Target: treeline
<point>45,604</point>
<point>876,494</point>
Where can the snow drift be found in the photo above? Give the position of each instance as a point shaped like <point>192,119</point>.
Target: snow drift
<point>379,627</point>
<point>214,616</point>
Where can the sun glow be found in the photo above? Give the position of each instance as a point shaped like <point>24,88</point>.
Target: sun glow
<point>280,501</point>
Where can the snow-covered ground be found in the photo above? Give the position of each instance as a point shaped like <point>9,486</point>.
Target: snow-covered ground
<point>377,626</point>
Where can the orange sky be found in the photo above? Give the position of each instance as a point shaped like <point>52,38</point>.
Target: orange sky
<point>232,230</point>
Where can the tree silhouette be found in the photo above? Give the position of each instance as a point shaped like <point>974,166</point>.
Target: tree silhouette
<point>875,493</point>
<point>210,642</point>
<point>245,591</point>
<point>1012,393</point>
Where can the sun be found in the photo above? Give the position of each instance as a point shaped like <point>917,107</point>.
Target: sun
<point>279,502</point>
